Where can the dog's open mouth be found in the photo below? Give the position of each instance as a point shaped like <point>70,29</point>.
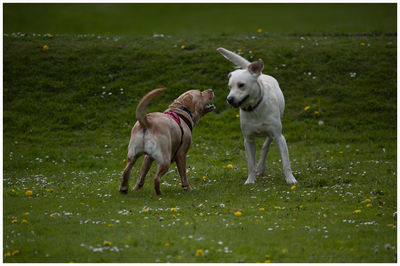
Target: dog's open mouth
<point>209,108</point>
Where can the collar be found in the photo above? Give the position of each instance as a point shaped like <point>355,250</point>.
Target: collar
<point>251,108</point>
<point>186,110</point>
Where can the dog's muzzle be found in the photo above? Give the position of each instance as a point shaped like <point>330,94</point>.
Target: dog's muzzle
<point>231,101</point>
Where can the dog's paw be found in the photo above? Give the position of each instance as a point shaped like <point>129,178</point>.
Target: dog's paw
<point>123,191</point>
<point>250,181</point>
<point>291,180</point>
<point>187,188</point>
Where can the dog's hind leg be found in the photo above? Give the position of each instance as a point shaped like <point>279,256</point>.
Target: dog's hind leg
<point>250,147</point>
<point>283,150</point>
<point>147,161</point>
<point>162,168</point>
<point>263,157</point>
<point>125,176</point>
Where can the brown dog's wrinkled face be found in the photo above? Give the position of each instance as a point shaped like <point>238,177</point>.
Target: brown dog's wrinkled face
<point>197,102</point>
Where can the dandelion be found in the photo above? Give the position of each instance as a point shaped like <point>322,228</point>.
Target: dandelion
<point>293,188</point>
<point>24,221</point>
<point>107,243</point>
<point>182,46</point>
<point>124,160</point>
<point>362,43</point>
<point>368,205</point>
<point>277,207</point>
<point>204,177</point>
<point>110,225</point>
<point>390,225</point>
<point>179,257</point>
<point>52,215</point>
<point>306,108</point>
<point>13,191</point>
<point>201,214</point>
<point>316,112</point>
<point>244,168</point>
<point>174,216</point>
<point>267,261</point>
<point>145,210</point>
<point>14,221</point>
<point>167,244</point>
<point>357,211</point>
<point>262,209</point>
<point>29,193</point>
<point>7,254</point>
<point>237,115</point>
<point>284,250</point>
<point>50,35</point>
<point>230,166</point>
<point>186,223</point>
<point>173,210</point>
<point>238,213</point>
<point>15,252</point>
<point>259,30</point>
<point>199,252</point>
<point>45,47</point>
<point>367,200</point>
<point>239,50</point>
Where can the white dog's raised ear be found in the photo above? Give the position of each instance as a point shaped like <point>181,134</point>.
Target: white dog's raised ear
<point>234,58</point>
<point>256,68</point>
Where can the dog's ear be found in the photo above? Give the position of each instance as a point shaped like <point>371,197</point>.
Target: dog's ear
<point>229,75</point>
<point>256,68</point>
<point>187,102</point>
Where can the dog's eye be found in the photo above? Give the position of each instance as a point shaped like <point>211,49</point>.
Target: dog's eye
<point>241,85</point>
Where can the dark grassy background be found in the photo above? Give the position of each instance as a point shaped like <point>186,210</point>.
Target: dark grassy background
<point>199,18</point>
<point>68,112</point>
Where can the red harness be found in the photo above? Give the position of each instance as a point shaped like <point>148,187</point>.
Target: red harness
<point>176,117</point>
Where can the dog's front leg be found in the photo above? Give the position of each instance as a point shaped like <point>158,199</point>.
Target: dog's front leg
<point>250,147</point>
<point>263,157</point>
<point>283,150</point>
<point>181,164</point>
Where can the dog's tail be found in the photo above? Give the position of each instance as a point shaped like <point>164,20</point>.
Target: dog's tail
<point>141,108</point>
<point>234,58</point>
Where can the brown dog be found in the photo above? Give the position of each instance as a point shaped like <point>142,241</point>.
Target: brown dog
<point>165,137</point>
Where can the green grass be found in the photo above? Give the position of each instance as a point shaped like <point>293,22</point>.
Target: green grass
<point>199,18</point>
<point>67,116</point>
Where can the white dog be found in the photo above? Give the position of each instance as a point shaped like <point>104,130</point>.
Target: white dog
<point>261,106</point>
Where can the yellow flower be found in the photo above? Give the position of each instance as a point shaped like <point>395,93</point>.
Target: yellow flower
<point>204,177</point>
<point>167,244</point>
<point>261,209</point>
<point>50,189</point>
<point>24,221</point>
<point>238,213</point>
<point>306,108</point>
<point>357,211</point>
<point>29,193</point>
<point>201,214</point>
<point>259,30</point>
<point>267,261</point>
<point>237,115</point>
<point>362,43</point>
<point>267,256</point>
<point>15,252</point>
<point>239,50</point>
<point>182,46</point>
<point>294,220</point>
<point>230,166</point>
<point>7,254</point>
<point>13,191</point>
<point>277,207</point>
<point>186,223</point>
<point>316,112</point>
<point>110,225</point>
<point>45,47</point>
<point>107,243</point>
<point>179,257</point>
<point>173,210</point>
<point>199,252</point>
<point>368,205</point>
<point>367,200</point>
<point>145,210</point>
<point>284,250</point>
<point>244,168</point>
<point>124,160</point>
<point>390,225</point>
<point>14,221</point>
<point>293,188</point>
<point>50,35</point>
<point>174,216</point>
<point>52,216</point>
<point>144,226</point>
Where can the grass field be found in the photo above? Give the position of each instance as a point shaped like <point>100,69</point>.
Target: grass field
<point>67,115</point>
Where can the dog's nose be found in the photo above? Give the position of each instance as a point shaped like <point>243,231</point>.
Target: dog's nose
<point>230,99</point>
